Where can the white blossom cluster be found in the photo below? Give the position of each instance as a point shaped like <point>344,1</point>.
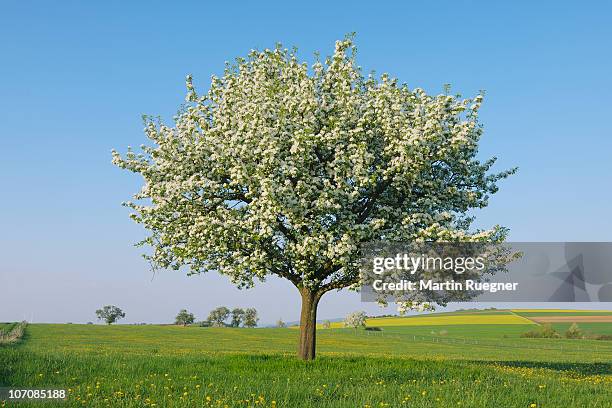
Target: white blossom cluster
<point>355,320</point>
<point>285,169</point>
<point>405,307</point>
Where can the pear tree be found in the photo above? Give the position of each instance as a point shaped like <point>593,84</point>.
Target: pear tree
<point>286,169</point>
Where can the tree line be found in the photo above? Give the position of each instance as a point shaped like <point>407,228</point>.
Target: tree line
<point>224,317</point>
<point>218,317</point>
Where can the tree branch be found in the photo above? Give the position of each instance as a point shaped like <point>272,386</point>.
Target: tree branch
<point>369,205</point>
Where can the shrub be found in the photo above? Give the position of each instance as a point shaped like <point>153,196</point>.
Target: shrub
<point>601,337</point>
<point>574,332</point>
<point>544,332</point>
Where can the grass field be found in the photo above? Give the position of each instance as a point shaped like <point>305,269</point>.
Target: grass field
<point>6,326</point>
<point>484,364</point>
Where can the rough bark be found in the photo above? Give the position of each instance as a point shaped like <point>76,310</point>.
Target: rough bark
<point>308,324</point>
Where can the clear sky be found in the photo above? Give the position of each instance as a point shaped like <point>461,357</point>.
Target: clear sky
<point>75,79</point>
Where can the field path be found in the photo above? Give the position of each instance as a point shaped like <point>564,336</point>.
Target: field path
<point>529,320</point>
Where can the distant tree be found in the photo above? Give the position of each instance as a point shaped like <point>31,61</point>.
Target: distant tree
<point>280,323</point>
<point>250,317</point>
<point>110,314</point>
<point>355,320</point>
<point>237,317</point>
<point>218,316</point>
<point>326,324</point>
<point>184,317</point>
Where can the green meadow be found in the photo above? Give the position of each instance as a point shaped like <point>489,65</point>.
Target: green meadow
<point>441,365</point>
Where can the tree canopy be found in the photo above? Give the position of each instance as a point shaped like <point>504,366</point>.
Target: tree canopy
<point>237,317</point>
<point>355,320</point>
<point>218,316</point>
<point>184,317</point>
<point>250,318</point>
<point>110,314</point>
<point>287,169</point>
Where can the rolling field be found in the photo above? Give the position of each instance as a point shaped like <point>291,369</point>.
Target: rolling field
<point>483,364</point>
<point>450,320</point>
<point>561,312</point>
<point>553,316</point>
<point>486,317</point>
<point>496,317</point>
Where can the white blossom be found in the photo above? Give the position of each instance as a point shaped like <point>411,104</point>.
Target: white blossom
<point>283,170</point>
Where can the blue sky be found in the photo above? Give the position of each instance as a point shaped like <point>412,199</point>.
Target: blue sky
<point>75,79</point>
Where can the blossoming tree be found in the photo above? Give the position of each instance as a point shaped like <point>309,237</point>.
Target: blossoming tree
<point>287,170</point>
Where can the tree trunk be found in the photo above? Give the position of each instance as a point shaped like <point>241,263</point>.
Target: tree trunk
<point>308,324</point>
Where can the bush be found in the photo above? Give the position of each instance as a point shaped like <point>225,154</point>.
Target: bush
<point>574,332</point>
<point>601,337</point>
<point>377,329</point>
<point>544,332</point>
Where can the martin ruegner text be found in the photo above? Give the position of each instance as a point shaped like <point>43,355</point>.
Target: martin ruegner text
<point>468,285</point>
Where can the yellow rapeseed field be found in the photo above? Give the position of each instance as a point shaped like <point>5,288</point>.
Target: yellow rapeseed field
<point>448,320</point>
<point>439,320</point>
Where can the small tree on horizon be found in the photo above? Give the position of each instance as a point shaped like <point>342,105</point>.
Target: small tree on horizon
<point>355,320</point>
<point>218,316</point>
<point>110,314</point>
<point>237,317</point>
<point>250,318</point>
<point>280,323</point>
<point>184,318</point>
<point>285,169</point>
